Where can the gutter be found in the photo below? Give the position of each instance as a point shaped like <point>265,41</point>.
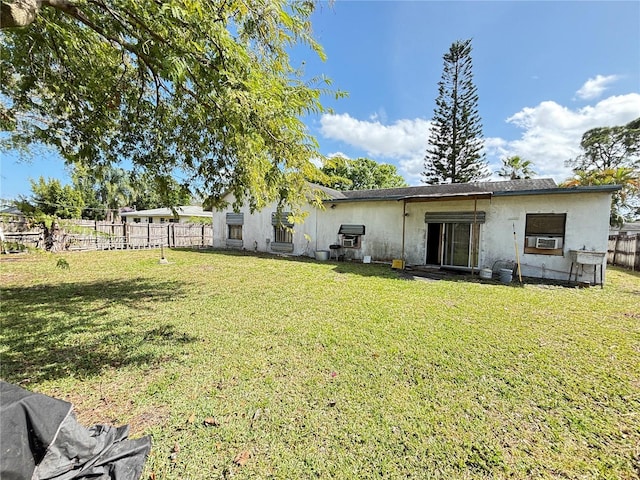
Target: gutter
<point>561,190</point>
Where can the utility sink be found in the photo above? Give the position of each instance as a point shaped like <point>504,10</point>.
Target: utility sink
<point>587,257</point>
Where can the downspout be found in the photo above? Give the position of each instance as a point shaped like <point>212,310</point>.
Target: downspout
<point>473,234</point>
<point>404,217</point>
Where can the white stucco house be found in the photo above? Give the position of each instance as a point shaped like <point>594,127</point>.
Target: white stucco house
<point>459,226</point>
<point>166,215</point>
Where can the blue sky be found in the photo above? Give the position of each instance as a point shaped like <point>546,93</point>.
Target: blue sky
<point>546,72</point>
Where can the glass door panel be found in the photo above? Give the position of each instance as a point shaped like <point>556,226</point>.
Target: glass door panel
<point>458,245</point>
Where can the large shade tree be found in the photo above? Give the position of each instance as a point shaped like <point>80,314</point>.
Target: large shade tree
<point>360,174</point>
<point>606,148</point>
<point>611,155</point>
<point>51,199</point>
<point>200,90</point>
<point>455,153</point>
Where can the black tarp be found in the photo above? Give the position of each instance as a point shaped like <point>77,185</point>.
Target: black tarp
<point>41,439</point>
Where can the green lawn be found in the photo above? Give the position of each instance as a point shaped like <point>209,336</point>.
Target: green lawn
<point>330,370</point>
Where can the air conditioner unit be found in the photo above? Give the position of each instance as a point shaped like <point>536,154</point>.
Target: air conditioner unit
<point>548,243</point>
<point>348,242</point>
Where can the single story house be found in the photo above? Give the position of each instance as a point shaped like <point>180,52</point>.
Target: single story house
<point>459,226</point>
<point>183,214</point>
<point>628,228</point>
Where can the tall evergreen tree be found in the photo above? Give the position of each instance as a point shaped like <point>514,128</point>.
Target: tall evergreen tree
<point>455,147</point>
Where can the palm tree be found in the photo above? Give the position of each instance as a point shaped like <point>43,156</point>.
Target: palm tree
<point>114,190</point>
<point>514,168</point>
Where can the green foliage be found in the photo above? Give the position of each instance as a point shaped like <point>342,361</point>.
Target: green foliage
<point>606,148</point>
<point>611,156</point>
<point>360,174</point>
<point>625,203</point>
<point>455,143</point>
<point>197,90</point>
<point>199,220</point>
<point>52,199</point>
<point>156,192</point>
<point>62,264</point>
<point>515,168</point>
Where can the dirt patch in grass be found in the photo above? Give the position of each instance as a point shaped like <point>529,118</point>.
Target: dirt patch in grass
<point>117,410</point>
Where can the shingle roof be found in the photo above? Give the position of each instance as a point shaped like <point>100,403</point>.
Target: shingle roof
<point>448,189</point>
<point>537,186</point>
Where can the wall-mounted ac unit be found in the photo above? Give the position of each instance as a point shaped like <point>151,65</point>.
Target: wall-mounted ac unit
<point>548,243</point>
<point>348,242</point>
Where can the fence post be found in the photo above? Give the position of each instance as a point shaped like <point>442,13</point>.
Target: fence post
<point>615,248</point>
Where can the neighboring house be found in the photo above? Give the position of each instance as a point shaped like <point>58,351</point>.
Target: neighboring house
<point>631,228</point>
<point>460,226</point>
<point>166,215</point>
<point>12,219</point>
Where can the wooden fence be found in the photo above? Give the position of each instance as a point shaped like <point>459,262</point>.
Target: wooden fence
<point>624,251</point>
<point>90,235</point>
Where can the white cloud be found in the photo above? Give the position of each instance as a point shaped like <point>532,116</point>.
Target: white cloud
<point>403,142</point>
<point>595,87</point>
<point>551,135</point>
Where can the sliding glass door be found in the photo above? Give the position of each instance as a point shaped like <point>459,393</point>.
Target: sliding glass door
<point>461,242</point>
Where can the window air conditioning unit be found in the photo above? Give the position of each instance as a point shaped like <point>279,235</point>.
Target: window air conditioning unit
<point>348,242</point>
<point>548,243</point>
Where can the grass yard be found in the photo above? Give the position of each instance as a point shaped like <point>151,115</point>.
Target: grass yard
<point>300,369</point>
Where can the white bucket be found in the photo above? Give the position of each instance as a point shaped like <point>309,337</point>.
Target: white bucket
<point>485,273</point>
<point>506,275</point>
<point>322,255</point>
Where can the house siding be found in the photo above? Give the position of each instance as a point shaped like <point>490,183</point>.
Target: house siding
<point>587,226</point>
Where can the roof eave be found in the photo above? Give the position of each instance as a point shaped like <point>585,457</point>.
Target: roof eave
<point>562,190</point>
<point>448,196</point>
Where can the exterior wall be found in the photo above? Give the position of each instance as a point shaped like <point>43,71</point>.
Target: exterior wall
<point>416,228</point>
<point>383,228</point>
<point>257,231</point>
<point>586,226</point>
<point>382,221</point>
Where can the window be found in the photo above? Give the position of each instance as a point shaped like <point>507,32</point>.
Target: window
<point>544,233</point>
<point>282,235</point>
<point>282,232</point>
<point>234,229</point>
<point>235,232</point>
